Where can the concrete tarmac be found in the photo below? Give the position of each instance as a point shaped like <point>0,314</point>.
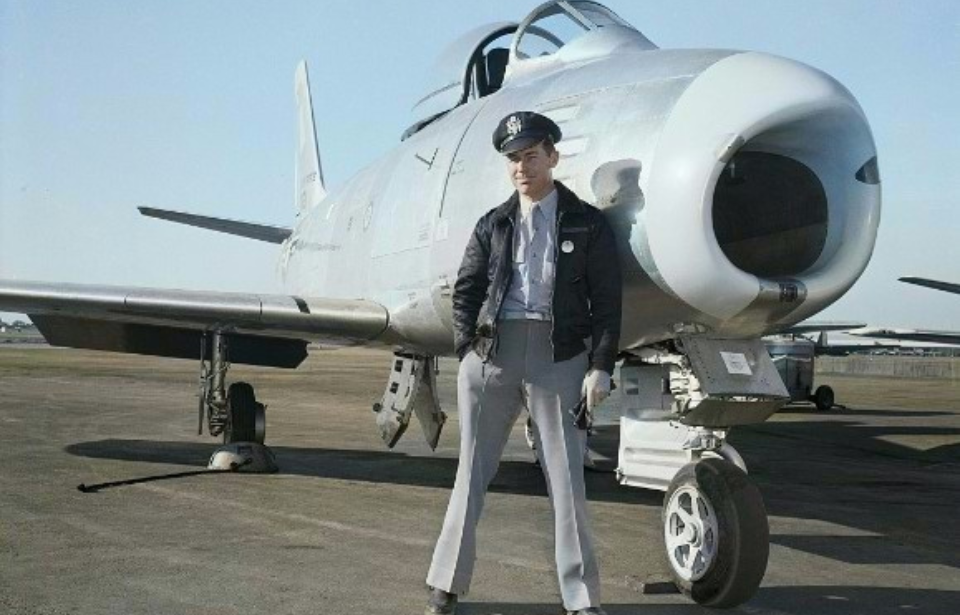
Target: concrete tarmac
<point>863,502</point>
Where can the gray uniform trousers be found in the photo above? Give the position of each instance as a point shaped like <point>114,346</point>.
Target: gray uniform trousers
<point>490,398</point>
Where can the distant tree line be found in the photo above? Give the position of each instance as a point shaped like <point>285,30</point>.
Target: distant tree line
<point>17,325</point>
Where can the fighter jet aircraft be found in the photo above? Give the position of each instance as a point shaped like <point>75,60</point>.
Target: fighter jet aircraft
<point>744,192</point>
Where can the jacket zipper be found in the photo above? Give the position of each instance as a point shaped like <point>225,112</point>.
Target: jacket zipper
<point>556,271</point>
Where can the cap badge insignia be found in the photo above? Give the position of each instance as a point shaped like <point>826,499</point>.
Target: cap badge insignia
<point>514,126</point>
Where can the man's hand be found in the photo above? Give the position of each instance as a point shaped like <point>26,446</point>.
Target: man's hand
<point>596,387</point>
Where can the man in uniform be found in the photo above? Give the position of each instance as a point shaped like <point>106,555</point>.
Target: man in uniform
<point>536,314</point>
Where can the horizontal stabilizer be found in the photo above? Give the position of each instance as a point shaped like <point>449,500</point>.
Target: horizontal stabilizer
<point>250,230</point>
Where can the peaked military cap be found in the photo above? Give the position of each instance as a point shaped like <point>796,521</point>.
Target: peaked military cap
<point>524,129</point>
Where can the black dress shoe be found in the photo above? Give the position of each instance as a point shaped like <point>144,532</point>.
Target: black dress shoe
<point>592,610</point>
<point>441,602</point>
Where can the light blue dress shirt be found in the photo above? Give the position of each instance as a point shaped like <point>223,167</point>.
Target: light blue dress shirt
<point>530,294</point>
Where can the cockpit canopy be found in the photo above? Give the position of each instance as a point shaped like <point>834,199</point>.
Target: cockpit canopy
<point>473,65</point>
<point>552,25</point>
<point>478,63</point>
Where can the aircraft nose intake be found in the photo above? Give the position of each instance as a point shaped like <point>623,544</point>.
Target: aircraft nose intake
<point>764,178</point>
<point>770,214</point>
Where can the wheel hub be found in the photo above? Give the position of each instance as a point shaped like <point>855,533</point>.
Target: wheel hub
<point>690,533</point>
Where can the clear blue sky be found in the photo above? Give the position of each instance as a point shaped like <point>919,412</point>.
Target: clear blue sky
<point>107,105</point>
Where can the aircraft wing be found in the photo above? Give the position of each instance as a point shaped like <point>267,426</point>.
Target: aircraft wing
<point>913,335</point>
<point>810,326</point>
<point>265,329</point>
<point>944,286</point>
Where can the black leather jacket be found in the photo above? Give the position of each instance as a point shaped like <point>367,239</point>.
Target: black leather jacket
<point>587,288</point>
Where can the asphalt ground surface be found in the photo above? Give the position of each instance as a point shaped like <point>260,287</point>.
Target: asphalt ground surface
<point>863,502</point>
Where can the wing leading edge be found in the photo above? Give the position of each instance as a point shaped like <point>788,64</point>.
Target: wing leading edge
<point>171,322</point>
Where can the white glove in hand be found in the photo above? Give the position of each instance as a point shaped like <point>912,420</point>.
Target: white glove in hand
<point>596,387</point>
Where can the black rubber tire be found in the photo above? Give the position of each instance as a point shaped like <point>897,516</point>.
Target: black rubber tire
<point>823,398</point>
<point>241,414</point>
<point>743,541</point>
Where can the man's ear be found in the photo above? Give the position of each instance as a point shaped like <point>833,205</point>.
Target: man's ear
<point>554,158</point>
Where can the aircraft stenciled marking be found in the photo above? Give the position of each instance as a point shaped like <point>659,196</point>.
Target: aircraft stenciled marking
<point>429,163</point>
<point>299,244</point>
<point>442,231</point>
<point>367,215</point>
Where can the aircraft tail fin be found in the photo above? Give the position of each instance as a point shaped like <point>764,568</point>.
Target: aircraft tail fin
<point>309,175</point>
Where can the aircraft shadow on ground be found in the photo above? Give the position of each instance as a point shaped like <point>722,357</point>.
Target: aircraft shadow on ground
<point>514,477</point>
<point>852,412</point>
<point>856,600</point>
<point>822,600</point>
<point>863,550</point>
<point>839,472</point>
<point>525,478</point>
<point>865,438</point>
<point>851,475</point>
<point>521,608</point>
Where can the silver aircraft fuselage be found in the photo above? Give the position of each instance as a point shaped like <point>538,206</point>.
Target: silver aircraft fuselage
<point>742,188</point>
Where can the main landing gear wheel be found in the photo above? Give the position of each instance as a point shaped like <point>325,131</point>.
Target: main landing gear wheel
<point>716,533</point>
<point>246,418</point>
<point>823,398</point>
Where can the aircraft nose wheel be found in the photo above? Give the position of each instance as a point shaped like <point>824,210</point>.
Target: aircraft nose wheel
<point>246,417</point>
<point>716,533</point>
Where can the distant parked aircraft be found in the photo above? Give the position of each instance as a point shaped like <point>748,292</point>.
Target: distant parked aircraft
<point>918,335</point>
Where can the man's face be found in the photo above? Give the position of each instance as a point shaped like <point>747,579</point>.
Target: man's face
<point>531,171</point>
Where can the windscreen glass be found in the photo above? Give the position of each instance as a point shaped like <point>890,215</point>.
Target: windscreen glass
<point>558,24</point>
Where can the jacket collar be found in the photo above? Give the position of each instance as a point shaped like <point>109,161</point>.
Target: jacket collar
<point>567,202</point>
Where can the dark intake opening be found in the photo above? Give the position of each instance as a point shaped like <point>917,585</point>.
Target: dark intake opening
<point>769,214</point>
